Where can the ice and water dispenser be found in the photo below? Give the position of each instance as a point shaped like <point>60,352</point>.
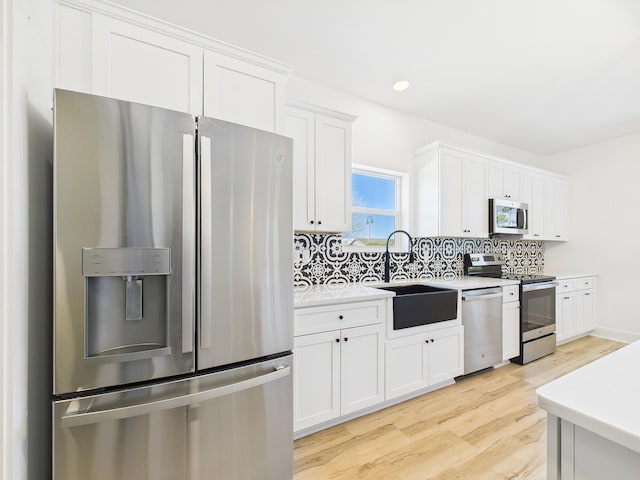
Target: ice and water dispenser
<point>126,302</point>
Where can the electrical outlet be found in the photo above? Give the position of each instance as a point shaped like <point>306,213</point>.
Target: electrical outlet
<point>297,255</point>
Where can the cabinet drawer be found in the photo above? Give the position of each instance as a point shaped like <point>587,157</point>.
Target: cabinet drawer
<point>585,283</point>
<point>510,293</point>
<point>332,317</point>
<point>565,286</point>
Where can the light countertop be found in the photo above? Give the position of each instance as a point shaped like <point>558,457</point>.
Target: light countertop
<point>316,295</point>
<point>332,293</point>
<point>567,276</point>
<point>603,397</point>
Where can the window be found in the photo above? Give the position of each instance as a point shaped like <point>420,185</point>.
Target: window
<point>375,208</point>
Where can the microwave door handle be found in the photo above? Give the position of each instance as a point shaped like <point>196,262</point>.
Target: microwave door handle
<point>71,420</point>
<point>526,218</point>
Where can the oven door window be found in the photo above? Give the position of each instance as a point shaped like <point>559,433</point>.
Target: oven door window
<point>538,311</point>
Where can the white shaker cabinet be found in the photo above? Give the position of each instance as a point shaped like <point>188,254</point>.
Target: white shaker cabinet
<point>451,193</point>
<point>533,187</point>
<point>338,370</point>
<point>108,50</point>
<point>108,56</point>
<point>242,92</point>
<point>555,209</point>
<point>505,180</point>
<point>419,361</point>
<point>575,307</point>
<point>321,168</point>
<point>510,322</point>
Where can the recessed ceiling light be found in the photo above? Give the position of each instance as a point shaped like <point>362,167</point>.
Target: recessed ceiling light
<point>401,85</point>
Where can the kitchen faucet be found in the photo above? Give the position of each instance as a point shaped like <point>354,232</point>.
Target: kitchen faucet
<point>386,253</point>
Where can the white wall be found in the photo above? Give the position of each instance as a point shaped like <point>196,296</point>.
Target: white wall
<point>386,138</point>
<point>604,228</point>
<point>26,238</point>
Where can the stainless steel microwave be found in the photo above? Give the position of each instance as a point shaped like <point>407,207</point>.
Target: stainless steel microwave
<point>507,217</point>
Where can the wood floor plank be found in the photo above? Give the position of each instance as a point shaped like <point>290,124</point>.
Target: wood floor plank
<point>486,426</point>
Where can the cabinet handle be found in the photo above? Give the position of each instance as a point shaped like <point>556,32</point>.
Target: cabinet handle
<point>337,340</point>
<point>536,234</point>
<point>319,222</point>
<point>346,339</point>
<point>586,294</point>
<point>557,236</point>
<point>511,293</point>
<point>567,298</point>
<point>311,222</point>
<point>340,317</point>
<point>432,340</point>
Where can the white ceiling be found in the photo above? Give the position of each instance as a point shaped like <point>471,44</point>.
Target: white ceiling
<point>540,75</point>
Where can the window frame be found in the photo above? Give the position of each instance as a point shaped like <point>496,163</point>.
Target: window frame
<point>401,213</point>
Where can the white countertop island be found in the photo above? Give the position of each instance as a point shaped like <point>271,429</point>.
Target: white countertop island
<point>593,419</point>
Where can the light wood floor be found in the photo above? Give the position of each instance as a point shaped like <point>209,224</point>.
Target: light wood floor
<point>484,427</point>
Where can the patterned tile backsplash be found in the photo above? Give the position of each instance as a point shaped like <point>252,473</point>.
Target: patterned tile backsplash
<point>434,258</point>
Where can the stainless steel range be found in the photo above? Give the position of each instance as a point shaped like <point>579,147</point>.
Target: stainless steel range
<point>537,304</point>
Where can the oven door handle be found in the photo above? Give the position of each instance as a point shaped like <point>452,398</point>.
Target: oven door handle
<point>539,286</point>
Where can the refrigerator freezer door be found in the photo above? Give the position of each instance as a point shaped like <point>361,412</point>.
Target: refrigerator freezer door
<point>246,277</point>
<point>124,239</point>
<point>235,424</point>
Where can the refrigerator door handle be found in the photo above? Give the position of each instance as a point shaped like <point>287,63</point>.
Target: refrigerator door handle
<point>90,418</point>
<point>188,241</point>
<point>205,243</point>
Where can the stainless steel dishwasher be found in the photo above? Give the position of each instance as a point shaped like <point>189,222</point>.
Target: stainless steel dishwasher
<point>482,320</point>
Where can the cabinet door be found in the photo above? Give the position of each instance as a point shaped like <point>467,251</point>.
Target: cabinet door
<point>504,181</point>
<point>332,174</point>
<point>474,198</point>
<point>446,356</point>
<point>362,374</point>
<point>555,216</point>
<point>241,92</point>
<point>510,330</point>
<point>451,188</point>
<point>585,314</point>
<point>565,315</point>
<point>316,381</point>
<point>406,366</point>
<point>139,65</point>
<point>300,125</point>
<point>533,196</point>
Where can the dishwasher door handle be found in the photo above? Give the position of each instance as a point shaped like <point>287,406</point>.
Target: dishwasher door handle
<point>473,298</point>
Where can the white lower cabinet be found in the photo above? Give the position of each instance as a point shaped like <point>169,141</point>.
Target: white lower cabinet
<point>575,307</point>
<point>416,362</point>
<point>337,373</point>
<point>510,322</point>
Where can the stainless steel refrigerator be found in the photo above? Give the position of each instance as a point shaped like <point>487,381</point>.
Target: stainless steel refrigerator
<point>173,291</point>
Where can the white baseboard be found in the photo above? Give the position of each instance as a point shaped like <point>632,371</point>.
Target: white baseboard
<point>612,334</point>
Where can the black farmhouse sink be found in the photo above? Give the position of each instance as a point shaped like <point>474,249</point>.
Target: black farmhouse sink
<point>416,305</point>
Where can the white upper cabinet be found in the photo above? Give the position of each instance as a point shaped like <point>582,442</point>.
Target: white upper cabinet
<point>556,213</point>
<point>321,168</point>
<point>451,193</point>
<point>140,65</point>
<point>242,92</point>
<point>108,50</point>
<point>505,180</point>
<point>533,195</point>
